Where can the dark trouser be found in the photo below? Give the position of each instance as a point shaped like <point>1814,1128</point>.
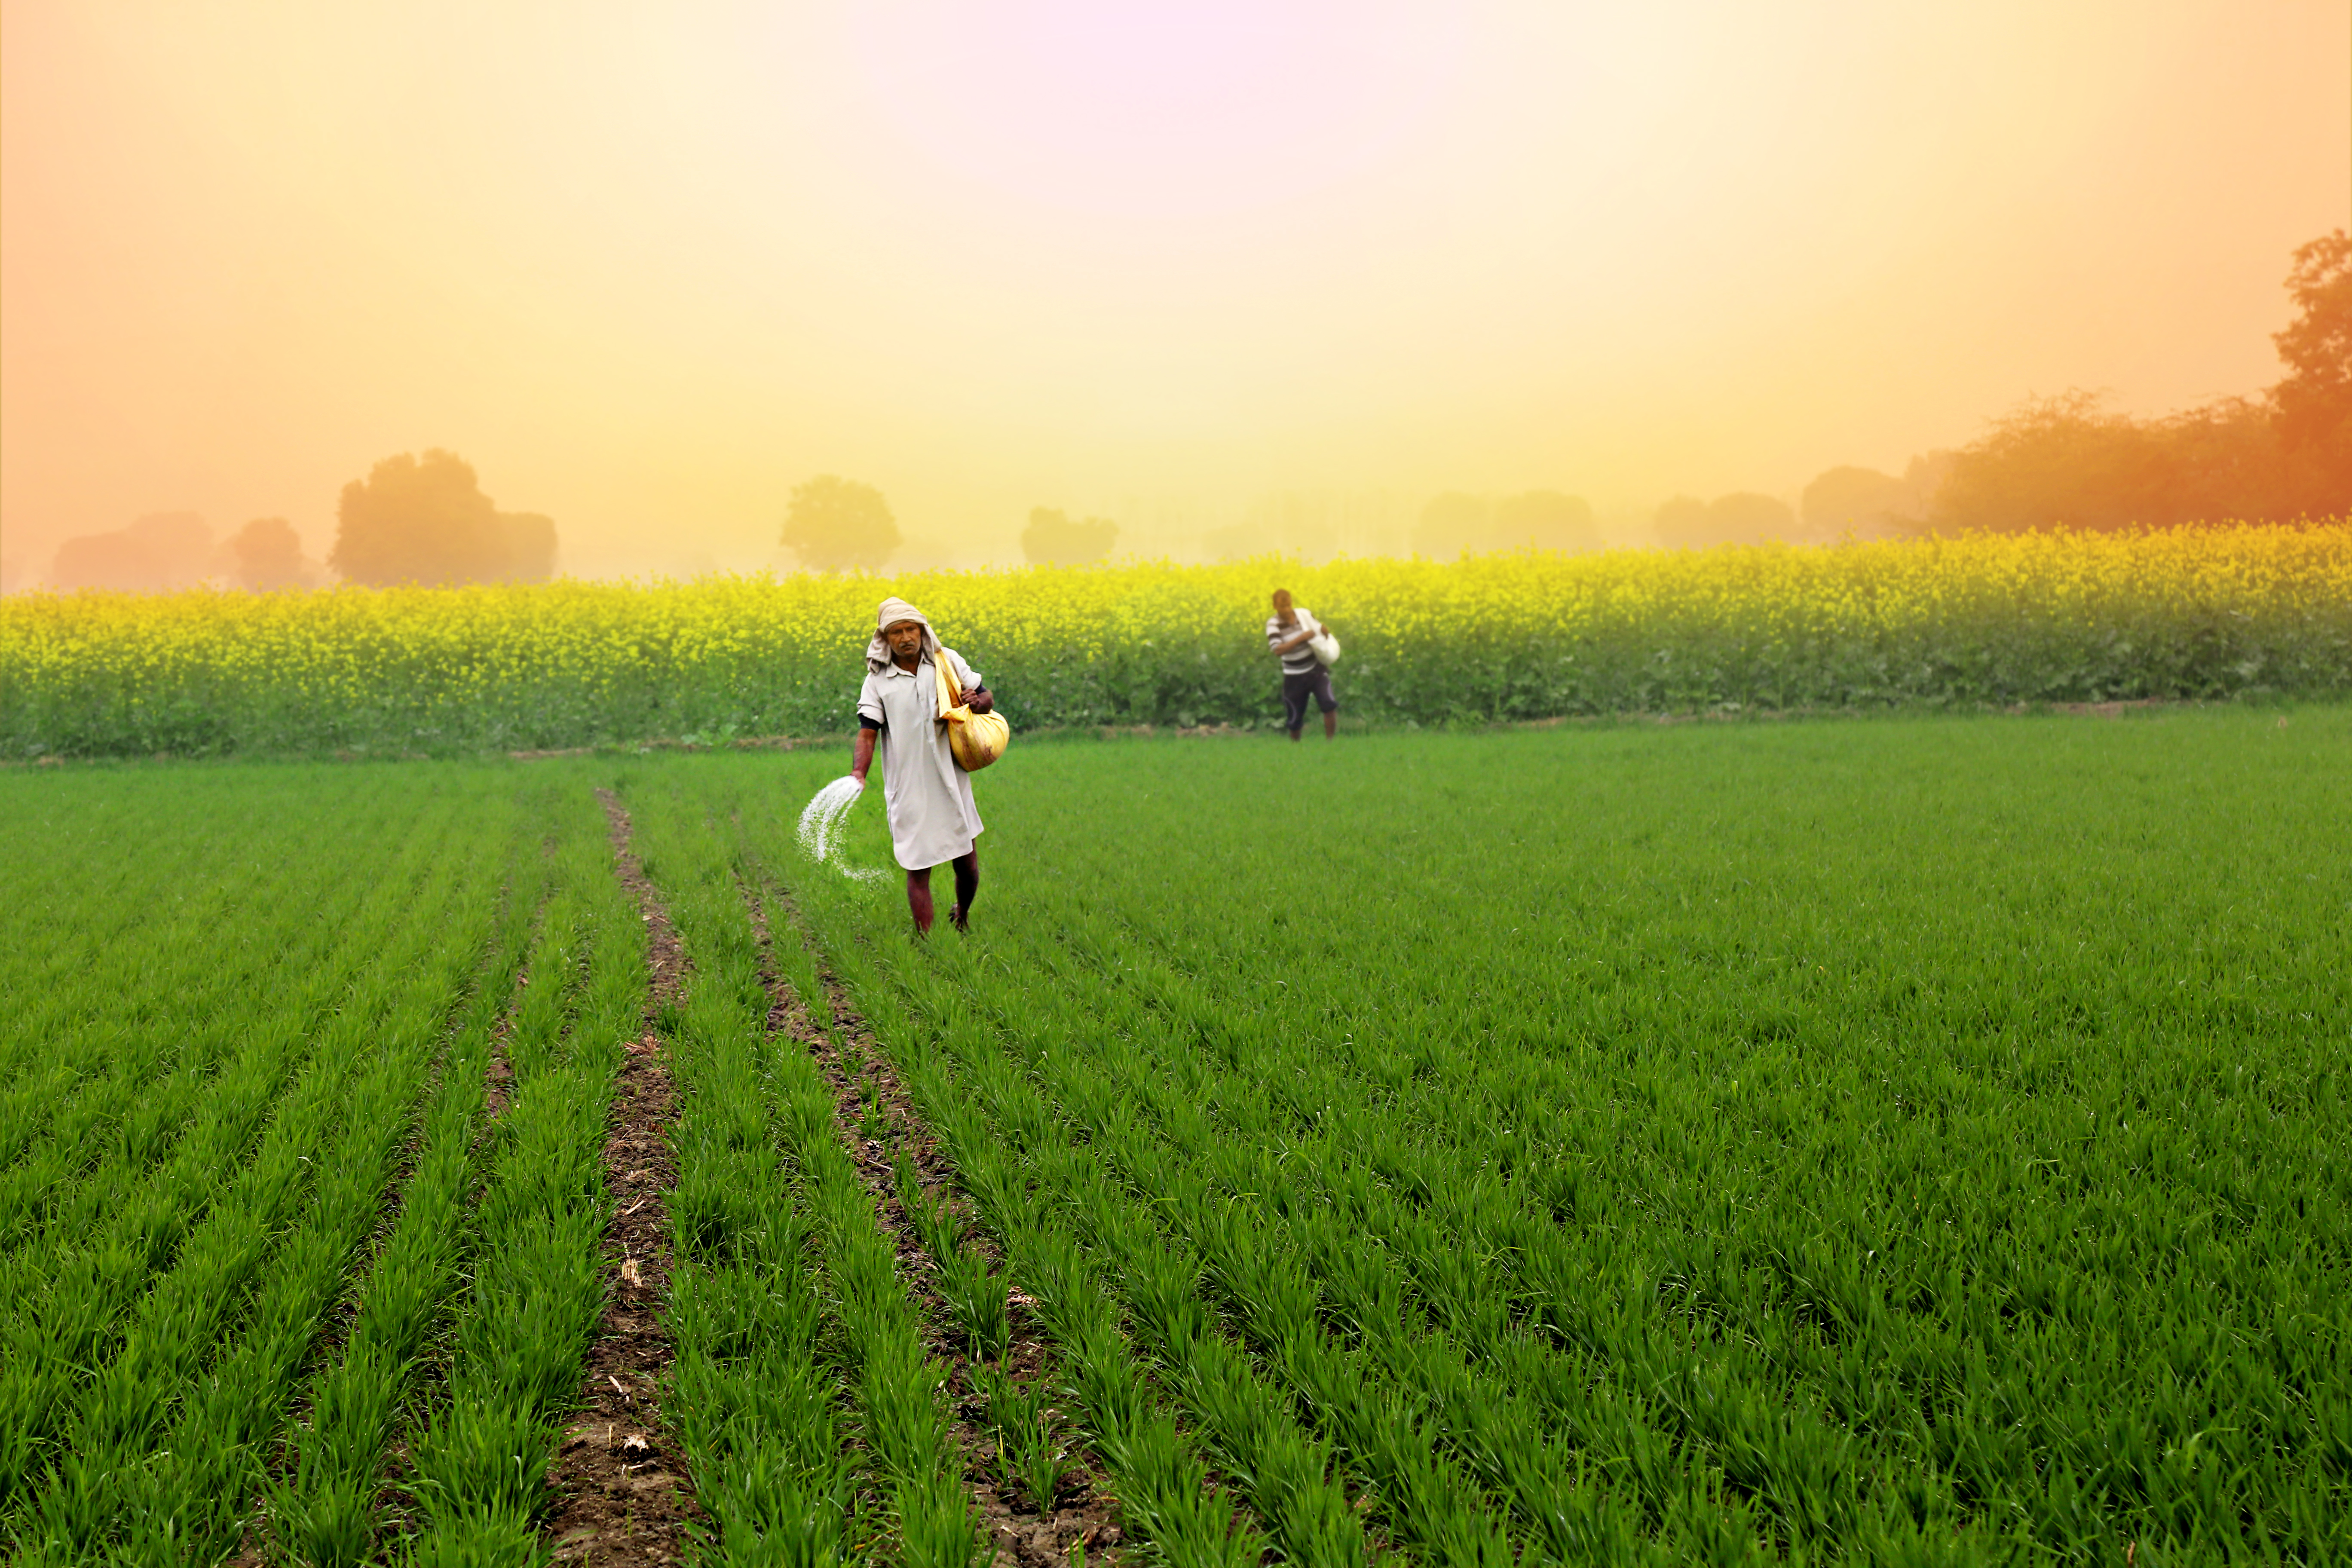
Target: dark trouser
<point>1297,688</point>
<point>967,880</point>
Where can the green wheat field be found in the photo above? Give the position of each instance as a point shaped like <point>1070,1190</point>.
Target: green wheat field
<point>1915,1140</point>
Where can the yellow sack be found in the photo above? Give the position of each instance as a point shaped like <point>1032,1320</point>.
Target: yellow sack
<point>975,739</point>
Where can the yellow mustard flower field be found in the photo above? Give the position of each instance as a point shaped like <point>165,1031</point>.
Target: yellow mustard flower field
<point>1984,619</point>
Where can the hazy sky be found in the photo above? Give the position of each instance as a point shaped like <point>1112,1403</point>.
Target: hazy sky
<point>648,267</point>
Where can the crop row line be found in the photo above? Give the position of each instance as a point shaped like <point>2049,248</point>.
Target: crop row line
<point>1597,1337</point>
<point>321,1509</point>
<point>170,1227</point>
<point>136,951</point>
<point>94,1158</point>
<point>1332,1313</point>
<point>1645,1227</point>
<point>1329,1316</point>
<point>764,1191</point>
<point>478,1462</point>
<point>959,1281</point>
<point>165,1442</point>
<point>1102,1310</point>
<point>1293,1275</point>
<point>1058,1208</point>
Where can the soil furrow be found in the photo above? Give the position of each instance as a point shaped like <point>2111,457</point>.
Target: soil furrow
<point>622,1495</point>
<point>497,1073</point>
<point>1084,1523</point>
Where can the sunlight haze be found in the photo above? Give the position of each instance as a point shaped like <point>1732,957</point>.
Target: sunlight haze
<point>647,268</point>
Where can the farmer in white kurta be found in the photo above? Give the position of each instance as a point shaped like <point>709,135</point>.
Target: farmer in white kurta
<point>928,797</point>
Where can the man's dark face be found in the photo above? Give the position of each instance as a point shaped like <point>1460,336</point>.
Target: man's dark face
<point>905,639</point>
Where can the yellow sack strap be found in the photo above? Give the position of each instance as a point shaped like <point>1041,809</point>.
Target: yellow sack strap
<point>976,740</point>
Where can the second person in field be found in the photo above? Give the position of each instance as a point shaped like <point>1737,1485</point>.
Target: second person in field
<point>925,795</point>
<point>1290,633</point>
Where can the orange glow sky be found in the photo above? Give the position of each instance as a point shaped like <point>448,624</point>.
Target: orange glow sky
<point>648,267</point>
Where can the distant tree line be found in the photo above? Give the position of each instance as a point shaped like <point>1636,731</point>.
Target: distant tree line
<point>2062,461</point>
<point>833,524</point>
<point>2070,461</point>
<point>2278,457</point>
<point>176,548</point>
<point>412,520</point>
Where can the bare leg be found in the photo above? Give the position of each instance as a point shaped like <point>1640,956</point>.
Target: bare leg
<point>1330,724</point>
<point>918,900</point>
<point>967,875</point>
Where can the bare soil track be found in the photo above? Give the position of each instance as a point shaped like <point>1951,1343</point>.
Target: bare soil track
<point>851,1059</point>
<point>622,1493</point>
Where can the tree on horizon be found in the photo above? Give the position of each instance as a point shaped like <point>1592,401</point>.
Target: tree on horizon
<point>425,519</point>
<point>839,526</point>
<point>2314,399</point>
<point>1053,540</point>
<point>1850,498</point>
<point>268,555</point>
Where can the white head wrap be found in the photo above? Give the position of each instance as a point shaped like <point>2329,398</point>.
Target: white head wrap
<point>894,610</point>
